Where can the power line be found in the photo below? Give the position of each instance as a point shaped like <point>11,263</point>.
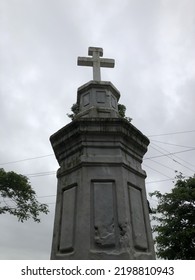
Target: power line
<point>174,155</point>
<point>26,159</point>
<point>43,156</point>
<point>159,181</point>
<point>172,144</point>
<point>156,171</point>
<point>171,133</point>
<point>38,157</point>
<point>176,161</point>
<point>168,155</point>
<point>43,196</point>
<point>46,173</point>
<point>184,151</point>
<point>164,180</point>
<point>13,208</point>
<point>165,166</point>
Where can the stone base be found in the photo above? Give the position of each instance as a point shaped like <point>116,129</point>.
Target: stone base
<point>101,207</point>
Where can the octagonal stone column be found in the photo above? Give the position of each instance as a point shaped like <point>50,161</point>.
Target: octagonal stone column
<point>101,206</point>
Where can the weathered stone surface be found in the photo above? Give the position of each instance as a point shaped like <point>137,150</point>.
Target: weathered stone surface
<point>67,230</point>
<point>98,100</point>
<point>101,205</point>
<point>100,169</point>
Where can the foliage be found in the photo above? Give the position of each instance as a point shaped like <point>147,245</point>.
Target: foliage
<point>75,111</point>
<point>19,199</point>
<point>121,110</point>
<point>175,217</point>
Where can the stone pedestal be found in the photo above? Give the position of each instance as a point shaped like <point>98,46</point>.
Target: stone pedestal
<point>101,206</point>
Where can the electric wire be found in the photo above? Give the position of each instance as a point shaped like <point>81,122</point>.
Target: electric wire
<point>40,174</point>
<point>172,133</point>
<point>173,153</point>
<point>169,155</point>
<point>38,157</point>
<point>26,159</point>
<point>176,161</point>
<point>172,144</point>
<point>157,171</point>
<point>161,164</point>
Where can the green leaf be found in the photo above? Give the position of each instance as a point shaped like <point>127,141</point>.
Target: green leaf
<point>20,197</point>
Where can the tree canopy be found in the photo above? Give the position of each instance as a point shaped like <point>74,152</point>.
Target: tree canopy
<point>175,217</point>
<point>18,198</point>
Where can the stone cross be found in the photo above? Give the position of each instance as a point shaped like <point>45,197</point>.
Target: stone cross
<point>95,61</point>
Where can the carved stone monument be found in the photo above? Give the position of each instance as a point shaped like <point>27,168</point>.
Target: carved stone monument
<point>101,206</point>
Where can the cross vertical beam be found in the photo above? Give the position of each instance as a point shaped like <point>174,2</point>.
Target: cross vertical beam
<point>96,62</point>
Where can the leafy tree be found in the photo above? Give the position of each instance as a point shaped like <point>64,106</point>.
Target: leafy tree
<point>18,197</point>
<point>175,217</point>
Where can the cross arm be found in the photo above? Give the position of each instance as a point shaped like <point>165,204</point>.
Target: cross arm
<point>85,61</point>
<point>106,62</point>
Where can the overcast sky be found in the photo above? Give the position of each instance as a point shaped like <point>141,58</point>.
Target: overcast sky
<point>152,42</point>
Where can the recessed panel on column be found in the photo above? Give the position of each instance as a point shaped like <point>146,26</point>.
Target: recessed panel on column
<point>104,218</point>
<point>86,99</point>
<point>113,102</point>
<point>101,96</point>
<point>137,218</point>
<point>67,226</point>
